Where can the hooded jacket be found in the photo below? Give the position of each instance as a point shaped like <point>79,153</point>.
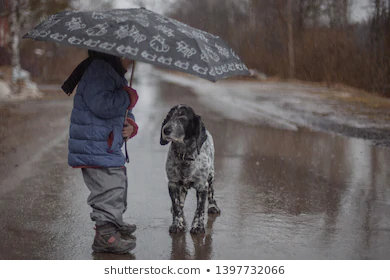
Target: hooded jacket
<point>100,103</point>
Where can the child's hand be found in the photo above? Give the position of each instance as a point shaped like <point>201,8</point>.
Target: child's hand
<point>130,129</point>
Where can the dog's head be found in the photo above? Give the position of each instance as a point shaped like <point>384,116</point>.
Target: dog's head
<point>182,125</point>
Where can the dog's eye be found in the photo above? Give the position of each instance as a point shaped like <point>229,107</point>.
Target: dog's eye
<point>182,119</point>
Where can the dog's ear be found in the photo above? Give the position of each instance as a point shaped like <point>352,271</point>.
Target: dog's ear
<point>200,135</point>
<point>167,118</point>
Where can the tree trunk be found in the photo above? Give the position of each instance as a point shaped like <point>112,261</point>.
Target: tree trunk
<point>290,40</point>
<point>15,35</point>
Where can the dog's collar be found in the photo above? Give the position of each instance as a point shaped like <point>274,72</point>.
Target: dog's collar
<point>185,156</point>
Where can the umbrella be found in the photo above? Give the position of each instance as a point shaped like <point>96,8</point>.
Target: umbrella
<point>142,35</point>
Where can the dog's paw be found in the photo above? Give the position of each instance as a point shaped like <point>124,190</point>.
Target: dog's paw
<point>176,229</point>
<point>198,230</point>
<point>214,209</point>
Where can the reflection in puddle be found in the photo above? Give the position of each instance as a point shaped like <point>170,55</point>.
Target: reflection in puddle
<point>202,244</point>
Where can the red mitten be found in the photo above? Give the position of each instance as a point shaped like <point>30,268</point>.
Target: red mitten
<point>133,97</point>
<point>135,127</point>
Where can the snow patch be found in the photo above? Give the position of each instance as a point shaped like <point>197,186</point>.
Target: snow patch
<point>233,100</point>
<point>5,91</point>
<point>281,105</point>
<point>28,89</point>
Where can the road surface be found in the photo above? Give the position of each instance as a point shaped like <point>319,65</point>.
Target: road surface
<point>285,191</point>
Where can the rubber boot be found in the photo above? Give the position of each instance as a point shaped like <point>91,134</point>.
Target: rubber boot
<point>127,229</point>
<point>108,240</point>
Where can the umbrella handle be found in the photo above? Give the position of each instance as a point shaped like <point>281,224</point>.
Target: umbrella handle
<point>126,114</point>
<point>132,73</point>
<point>124,139</point>
<point>130,83</point>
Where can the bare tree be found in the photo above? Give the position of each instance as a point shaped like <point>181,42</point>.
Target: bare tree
<point>25,13</point>
<point>307,39</point>
<point>92,4</point>
<point>291,54</point>
<point>338,12</point>
<point>309,13</point>
<point>15,23</point>
<point>380,44</point>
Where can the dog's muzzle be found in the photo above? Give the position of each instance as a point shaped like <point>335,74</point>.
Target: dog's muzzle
<point>168,135</point>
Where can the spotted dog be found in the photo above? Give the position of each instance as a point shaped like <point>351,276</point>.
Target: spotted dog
<point>190,164</point>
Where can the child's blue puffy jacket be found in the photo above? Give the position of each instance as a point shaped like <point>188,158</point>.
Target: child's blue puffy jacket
<point>100,103</point>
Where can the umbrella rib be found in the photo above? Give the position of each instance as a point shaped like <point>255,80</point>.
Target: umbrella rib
<point>209,66</point>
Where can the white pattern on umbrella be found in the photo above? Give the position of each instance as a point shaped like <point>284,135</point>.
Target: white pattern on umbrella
<point>200,35</point>
<point>239,66</point>
<point>162,19</point>
<point>142,19</point>
<point>148,56</point>
<point>122,32</point>
<point>51,21</point>
<point>167,31</point>
<point>225,68</point>
<point>75,41</point>
<point>75,24</point>
<point>182,65</point>
<point>166,61</point>
<point>218,70</point>
<point>213,55</point>
<point>107,46</point>
<point>222,51</point>
<point>178,23</point>
<point>186,32</point>
<point>119,12</point>
<point>185,49</point>
<point>98,29</point>
<point>120,19</point>
<point>204,56</point>
<point>127,49</point>
<point>234,54</point>
<point>200,70</point>
<point>158,44</point>
<point>44,33</point>
<point>58,36</point>
<point>91,43</point>
<point>136,35</point>
<point>99,15</point>
<point>72,13</point>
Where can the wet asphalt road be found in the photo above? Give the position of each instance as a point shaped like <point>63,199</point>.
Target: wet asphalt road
<point>283,194</point>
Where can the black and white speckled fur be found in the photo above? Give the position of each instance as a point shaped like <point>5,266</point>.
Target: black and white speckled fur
<point>190,164</point>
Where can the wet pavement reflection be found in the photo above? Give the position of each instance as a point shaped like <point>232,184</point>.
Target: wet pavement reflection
<point>283,194</point>
<point>288,195</point>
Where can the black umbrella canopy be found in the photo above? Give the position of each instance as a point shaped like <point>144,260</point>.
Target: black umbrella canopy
<point>143,35</point>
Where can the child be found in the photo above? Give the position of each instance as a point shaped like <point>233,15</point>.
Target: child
<point>97,132</point>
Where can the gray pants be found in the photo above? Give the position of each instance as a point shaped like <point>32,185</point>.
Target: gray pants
<point>108,197</point>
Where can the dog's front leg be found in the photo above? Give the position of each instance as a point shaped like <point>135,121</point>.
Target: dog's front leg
<point>198,222</point>
<point>177,210</point>
<point>213,207</point>
<point>183,194</point>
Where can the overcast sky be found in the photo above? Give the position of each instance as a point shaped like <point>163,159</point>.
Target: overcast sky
<point>159,6</point>
<point>360,8</point>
